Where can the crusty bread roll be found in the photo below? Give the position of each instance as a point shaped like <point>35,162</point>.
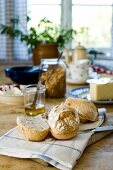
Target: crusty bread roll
<point>33,128</point>
<point>63,122</point>
<point>87,111</point>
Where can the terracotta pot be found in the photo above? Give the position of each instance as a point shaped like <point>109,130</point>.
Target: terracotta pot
<point>44,51</point>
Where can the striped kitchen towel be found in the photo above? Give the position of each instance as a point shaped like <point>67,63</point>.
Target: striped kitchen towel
<point>62,154</point>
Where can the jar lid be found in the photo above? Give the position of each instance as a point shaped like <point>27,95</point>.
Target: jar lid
<point>51,61</point>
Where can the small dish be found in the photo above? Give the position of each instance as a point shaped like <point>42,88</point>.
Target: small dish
<point>83,92</point>
<point>14,100</point>
<point>8,97</point>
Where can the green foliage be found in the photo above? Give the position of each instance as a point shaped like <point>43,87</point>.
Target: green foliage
<point>10,30</point>
<point>46,32</point>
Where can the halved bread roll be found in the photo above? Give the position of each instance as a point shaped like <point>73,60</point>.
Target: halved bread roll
<point>33,128</point>
<point>87,111</point>
<point>64,122</point>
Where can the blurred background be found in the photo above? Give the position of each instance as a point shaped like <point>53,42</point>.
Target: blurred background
<point>92,19</point>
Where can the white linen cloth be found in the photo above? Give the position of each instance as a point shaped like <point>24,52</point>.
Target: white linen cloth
<point>62,154</point>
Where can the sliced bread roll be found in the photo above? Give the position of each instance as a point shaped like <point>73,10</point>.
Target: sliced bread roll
<point>87,111</point>
<point>33,128</point>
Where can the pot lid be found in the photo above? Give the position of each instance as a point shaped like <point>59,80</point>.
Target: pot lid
<point>80,47</point>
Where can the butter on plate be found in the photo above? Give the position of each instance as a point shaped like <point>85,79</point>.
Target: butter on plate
<point>101,89</point>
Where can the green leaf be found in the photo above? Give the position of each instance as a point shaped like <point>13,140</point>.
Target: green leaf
<point>45,32</point>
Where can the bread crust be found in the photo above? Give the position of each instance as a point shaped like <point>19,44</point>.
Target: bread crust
<point>31,133</point>
<point>64,136</point>
<point>64,122</point>
<point>87,111</point>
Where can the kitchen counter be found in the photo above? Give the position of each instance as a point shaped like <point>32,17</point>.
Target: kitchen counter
<point>98,156</point>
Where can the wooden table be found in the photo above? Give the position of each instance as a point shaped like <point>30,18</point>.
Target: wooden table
<point>98,156</point>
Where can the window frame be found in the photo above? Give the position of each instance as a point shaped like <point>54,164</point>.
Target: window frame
<point>66,22</point>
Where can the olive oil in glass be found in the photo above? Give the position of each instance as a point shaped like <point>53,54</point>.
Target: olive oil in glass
<point>34,99</point>
<point>35,111</point>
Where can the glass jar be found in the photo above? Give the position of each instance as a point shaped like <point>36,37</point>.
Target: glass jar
<point>34,99</point>
<point>54,77</point>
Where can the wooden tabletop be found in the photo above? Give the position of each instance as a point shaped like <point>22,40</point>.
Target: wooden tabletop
<point>98,156</point>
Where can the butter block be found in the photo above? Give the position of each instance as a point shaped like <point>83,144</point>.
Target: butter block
<point>101,91</point>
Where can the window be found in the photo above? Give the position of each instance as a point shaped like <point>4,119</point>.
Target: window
<point>50,9</point>
<point>93,19</point>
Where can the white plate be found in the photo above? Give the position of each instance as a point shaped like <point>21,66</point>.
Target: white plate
<point>11,99</point>
<point>83,92</point>
<point>70,81</point>
<point>100,80</point>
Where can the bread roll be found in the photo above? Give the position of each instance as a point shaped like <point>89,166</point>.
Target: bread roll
<point>63,122</point>
<point>33,128</point>
<point>87,111</point>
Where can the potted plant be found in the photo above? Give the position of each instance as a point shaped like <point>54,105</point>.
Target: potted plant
<point>46,40</point>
